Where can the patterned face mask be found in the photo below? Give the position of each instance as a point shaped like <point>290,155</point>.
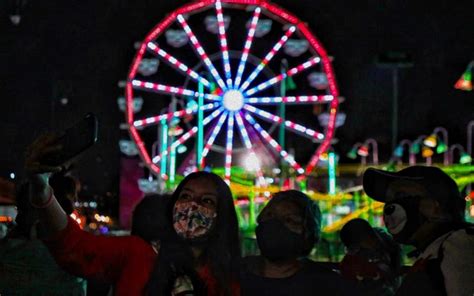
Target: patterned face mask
<point>191,220</point>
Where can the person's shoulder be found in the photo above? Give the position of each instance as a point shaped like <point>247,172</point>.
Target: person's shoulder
<point>319,267</point>
<point>457,263</point>
<point>459,243</point>
<point>465,233</point>
<point>460,239</point>
<point>322,270</point>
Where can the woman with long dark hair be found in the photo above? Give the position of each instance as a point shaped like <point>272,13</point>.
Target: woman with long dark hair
<point>201,258</point>
<point>206,245</point>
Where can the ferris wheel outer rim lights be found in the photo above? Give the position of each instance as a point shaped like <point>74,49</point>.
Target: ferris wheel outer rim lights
<point>264,5</point>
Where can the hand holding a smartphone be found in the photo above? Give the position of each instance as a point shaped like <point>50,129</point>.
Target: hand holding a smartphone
<point>43,147</point>
<point>38,172</point>
<point>73,141</point>
<point>49,153</point>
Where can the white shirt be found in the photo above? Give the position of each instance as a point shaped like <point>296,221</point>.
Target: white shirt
<point>457,264</point>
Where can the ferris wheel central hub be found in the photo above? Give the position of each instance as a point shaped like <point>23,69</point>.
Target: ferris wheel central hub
<point>233,100</point>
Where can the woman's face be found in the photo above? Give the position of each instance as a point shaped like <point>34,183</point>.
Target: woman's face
<point>195,209</point>
<point>201,191</point>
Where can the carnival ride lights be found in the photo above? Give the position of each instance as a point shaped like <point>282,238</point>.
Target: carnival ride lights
<point>464,157</point>
<point>465,81</point>
<point>421,144</point>
<point>399,151</point>
<point>426,152</point>
<point>418,146</point>
<point>352,154</point>
<point>332,172</point>
<point>441,146</point>
<point>234,102</point>
<point>362,149</point>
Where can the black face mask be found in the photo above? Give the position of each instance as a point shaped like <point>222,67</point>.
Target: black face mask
<point>277,242</point>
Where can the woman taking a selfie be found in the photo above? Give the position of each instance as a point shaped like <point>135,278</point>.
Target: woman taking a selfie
<point>200,260</point>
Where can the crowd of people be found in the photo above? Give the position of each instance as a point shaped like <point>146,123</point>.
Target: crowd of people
<point>187,243</point>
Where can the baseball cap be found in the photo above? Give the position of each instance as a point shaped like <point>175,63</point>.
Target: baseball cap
<point>436,183</point>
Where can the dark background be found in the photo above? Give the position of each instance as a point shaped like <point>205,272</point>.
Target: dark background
<point>80,49</point>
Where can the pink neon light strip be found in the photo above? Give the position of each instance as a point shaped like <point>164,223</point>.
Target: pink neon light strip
<point>140,144</point>
<point>274,144</point>
<point>288,124</point>
<point>161,88</point>
<point>293,71</point>
<point>278,11</point>
<point>247,45</point>
<point>228,147</point>
<point>186,136</point>
<point>268,57</point>
<point>223,43</point>
<point>290,99</point>
<point>248,144</point>
<point>133,131</point>
<point>200,51</point>
<point>178,64</point>
<point>178,114</point>
<point>325,145</point>
<point>212,137</point>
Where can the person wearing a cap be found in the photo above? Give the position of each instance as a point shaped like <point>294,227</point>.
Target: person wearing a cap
<point>372,260</point>
<point>424,208</point>
<point>288,228</point>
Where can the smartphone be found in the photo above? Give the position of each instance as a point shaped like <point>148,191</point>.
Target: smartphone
<point>74,141</point>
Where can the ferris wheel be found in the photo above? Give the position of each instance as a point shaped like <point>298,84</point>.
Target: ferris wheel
<point>229,62</point>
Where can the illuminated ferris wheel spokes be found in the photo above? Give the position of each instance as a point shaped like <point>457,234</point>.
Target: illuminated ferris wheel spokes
<point>274,144</point>
<point>247,46</point>
<point>168,116</point>
<point>268,57</point>
<point>223,43</point>
<point>170,90</point>
<point>228,147</point>
<point>200,51</point>
<point>153,47</point>
<point>212,137</point>
<point>289,100</point>
<point>277,79</point>
<point>267,116</point>
<point>188,135</point>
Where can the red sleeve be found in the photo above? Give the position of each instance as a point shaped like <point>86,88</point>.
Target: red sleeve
<point>352,266</point>
<point>90,256</point>
<point>211,282</point>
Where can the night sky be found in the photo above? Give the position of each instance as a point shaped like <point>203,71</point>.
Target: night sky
<point>80,49</point>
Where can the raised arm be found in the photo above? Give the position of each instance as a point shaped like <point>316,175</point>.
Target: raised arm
<point>80,253</point>
<point>52,216</point>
